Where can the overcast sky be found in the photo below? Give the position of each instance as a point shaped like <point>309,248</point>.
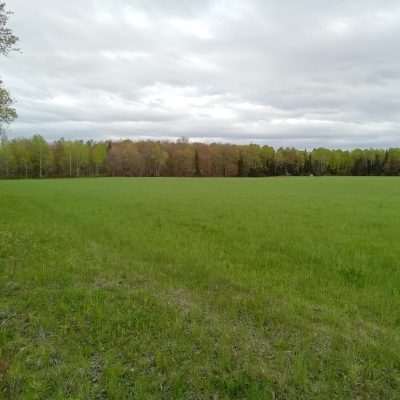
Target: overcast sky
<point>294,73</point>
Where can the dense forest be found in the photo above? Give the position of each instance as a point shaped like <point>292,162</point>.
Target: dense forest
<point>36,158</point>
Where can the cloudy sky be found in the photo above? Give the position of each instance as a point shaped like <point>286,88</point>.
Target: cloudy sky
<point>294,73</point>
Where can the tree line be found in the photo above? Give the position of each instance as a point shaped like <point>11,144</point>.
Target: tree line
<point>37,158</point>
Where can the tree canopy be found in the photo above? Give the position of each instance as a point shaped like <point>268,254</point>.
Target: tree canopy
<point>7,37</point>
<point>35,158</point>
<point>7,43</point>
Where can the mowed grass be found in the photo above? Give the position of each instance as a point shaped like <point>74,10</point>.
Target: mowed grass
<point>282,288</point>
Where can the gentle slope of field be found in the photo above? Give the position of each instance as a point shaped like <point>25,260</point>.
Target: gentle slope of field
<point>283,288</point>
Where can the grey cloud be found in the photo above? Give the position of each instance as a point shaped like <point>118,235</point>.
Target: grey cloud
<point>310,73</point>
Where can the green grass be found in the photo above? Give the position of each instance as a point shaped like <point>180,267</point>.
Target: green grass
<point>283,288</point>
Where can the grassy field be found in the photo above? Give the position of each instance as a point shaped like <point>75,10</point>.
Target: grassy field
<point>282,288</point>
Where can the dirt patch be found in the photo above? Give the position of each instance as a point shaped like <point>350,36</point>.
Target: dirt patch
<point>4,366</point>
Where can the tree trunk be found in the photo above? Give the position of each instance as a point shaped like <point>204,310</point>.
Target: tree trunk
<point>70,165</point>
<point>40,162</point>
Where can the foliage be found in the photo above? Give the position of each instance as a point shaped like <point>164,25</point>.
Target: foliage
<point>7,37</point>
<point>36,158</point>
<point>7,43</point>
<point>7,112</point>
